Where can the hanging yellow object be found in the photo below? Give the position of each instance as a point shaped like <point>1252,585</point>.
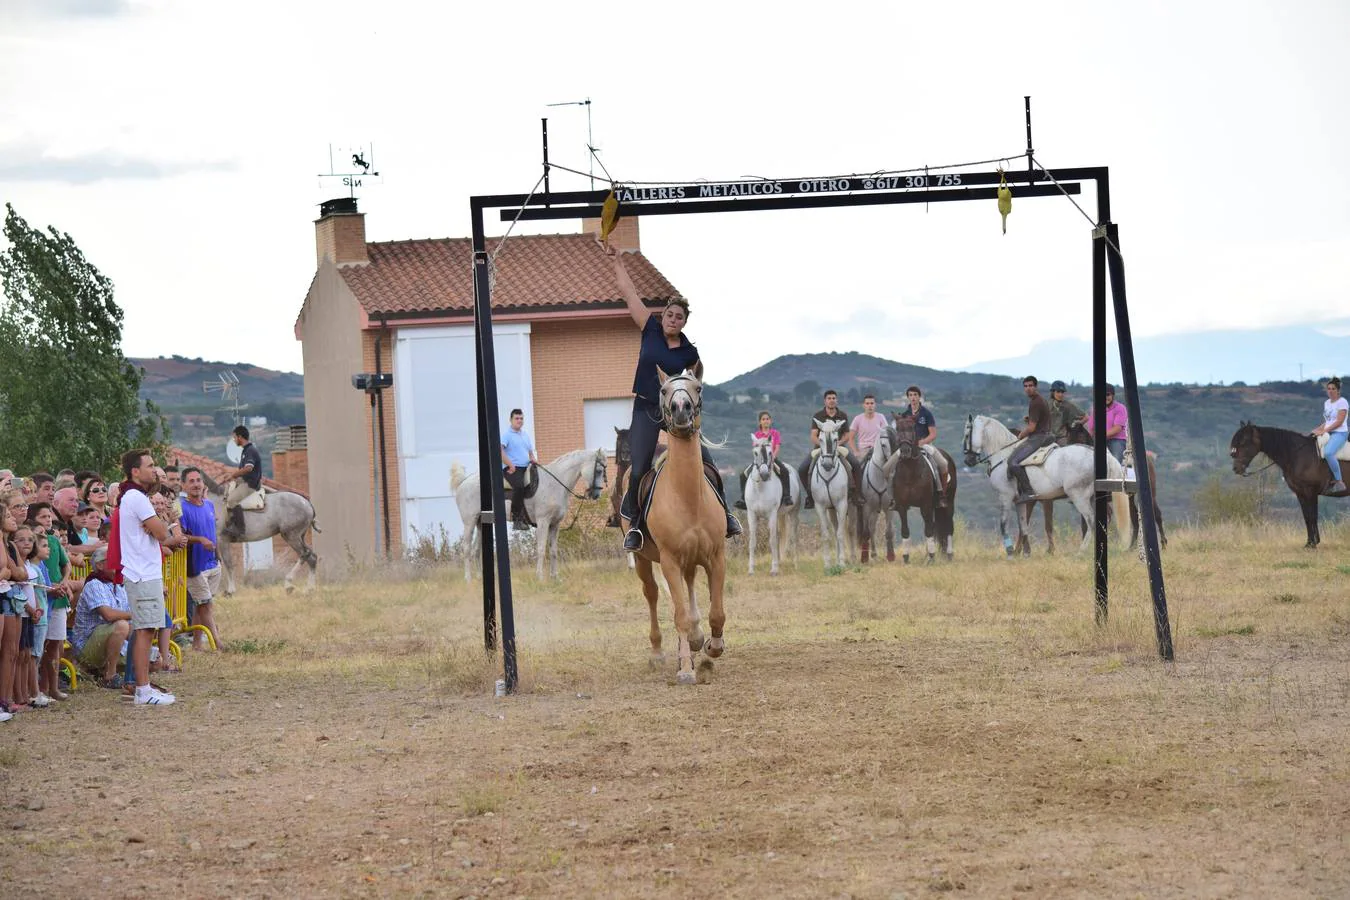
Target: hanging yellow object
<point>609,215</point>
<point>1004,200</point>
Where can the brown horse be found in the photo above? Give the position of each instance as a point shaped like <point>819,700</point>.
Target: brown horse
<point>1303,468</point>
<point>687,527</point>
<point>912,486</point>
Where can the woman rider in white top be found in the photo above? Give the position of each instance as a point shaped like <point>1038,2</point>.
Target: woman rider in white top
<point>1334,411</point>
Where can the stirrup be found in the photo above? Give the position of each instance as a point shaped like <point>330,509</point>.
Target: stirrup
<point>632,541</point>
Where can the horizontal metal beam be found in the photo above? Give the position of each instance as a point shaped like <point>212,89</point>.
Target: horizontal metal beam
<point>816,201</point>
<point>1116,485</point>
<point>790,187</point>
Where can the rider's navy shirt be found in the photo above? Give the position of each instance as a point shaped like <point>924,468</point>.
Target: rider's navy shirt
<point>251,456</point>
<point>923,420</point>
<point>655,352</point>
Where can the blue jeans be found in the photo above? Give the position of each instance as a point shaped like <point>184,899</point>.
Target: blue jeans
<point>1116,447</point>
<point>1335,441</point>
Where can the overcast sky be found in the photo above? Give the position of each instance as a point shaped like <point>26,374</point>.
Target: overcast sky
<point>178,142</point>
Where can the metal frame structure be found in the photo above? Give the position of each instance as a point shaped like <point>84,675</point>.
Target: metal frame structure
<point>853,190</point>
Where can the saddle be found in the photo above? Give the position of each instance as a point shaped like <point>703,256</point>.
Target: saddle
<point>647,486</point>
<point>1040,456</point>
<point>531,482</point>
<point>256,501</point>
<point>1343,453</point>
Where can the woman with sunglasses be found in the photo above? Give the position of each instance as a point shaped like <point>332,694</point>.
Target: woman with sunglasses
<point>95,493</point>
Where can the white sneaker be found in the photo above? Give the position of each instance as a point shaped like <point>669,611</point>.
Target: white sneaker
<point>153,697</point>
<point>42,701</point>
<point>5,715</point>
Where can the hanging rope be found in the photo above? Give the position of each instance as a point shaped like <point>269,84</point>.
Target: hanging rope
<point>1095,225</point>
<point>501,244</point>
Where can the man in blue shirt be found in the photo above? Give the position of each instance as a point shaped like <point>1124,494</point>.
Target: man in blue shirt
<point>925,432</point>
<point>517,454</point>
<point>203,567</point>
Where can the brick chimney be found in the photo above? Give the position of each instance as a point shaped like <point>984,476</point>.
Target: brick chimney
<point>623,237</point>
<point>340,232</point>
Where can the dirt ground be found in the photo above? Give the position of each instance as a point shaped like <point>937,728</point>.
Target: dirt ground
<point>959,729</point>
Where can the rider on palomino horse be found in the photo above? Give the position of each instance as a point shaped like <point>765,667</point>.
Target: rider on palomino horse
<point>831,412</point>
<point>249,474</point>
<point>665,345</point>
<point>925,433</point>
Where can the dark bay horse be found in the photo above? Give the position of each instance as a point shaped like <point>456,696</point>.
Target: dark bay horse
<point>912,486</point>
<point>1303,468</point>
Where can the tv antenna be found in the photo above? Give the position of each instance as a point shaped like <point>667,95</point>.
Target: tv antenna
<point>591,149</point>
<point>353,164</point>
<point>227,385</point>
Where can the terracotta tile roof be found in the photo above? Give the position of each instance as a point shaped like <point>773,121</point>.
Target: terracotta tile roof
<point>213,469</point>
<point>546,272</point>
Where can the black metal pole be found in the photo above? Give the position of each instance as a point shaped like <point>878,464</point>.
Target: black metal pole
<point>1027,101</point>
<point>379,405</point>
<point>489,453</point>
<point>1102,499</point>
<point>486,534</point>
<point>1152,554</point>
<point>544,123</point>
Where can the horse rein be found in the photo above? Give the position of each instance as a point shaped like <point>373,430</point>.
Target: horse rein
<point>698,405</point>
<point>544,468</point>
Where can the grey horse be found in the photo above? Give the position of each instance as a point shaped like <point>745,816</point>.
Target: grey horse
<point>286,513</point>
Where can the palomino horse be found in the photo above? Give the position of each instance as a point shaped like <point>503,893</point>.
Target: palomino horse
<point>1303,468</point>
<point>829,491</point>
<point>877,495</point>
<point>912,486</point>
<point>546,508</point>
<point>764,497</point>
<point>286,513</point>
<point>687,528</point>
<point>1067,472</point>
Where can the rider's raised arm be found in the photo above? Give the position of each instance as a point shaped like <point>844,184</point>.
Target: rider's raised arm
<point>636,308</point>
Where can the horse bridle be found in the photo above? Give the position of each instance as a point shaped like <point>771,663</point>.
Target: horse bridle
<point>968,448</point>
<point>599,473</point>
<point>755,462</point>
<point>1245,473</point>
<point>696,398</point>
<point>866,472</point>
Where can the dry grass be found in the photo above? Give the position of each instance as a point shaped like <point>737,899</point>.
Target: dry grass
<point>883,732</point>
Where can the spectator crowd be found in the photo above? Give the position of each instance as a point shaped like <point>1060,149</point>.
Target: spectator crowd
<point>82,565</point>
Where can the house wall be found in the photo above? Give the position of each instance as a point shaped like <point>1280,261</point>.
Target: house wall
<point>385,340</point>
<point>338,427</point>
<point>574,361</point>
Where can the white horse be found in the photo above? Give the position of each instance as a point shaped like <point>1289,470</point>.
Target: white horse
<point>877,495</point>
<point>764,497</point>
<point>546,508</point>
<point>1067,472</point>
<point>829,491</point>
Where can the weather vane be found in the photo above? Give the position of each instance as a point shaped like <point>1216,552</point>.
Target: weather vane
<point>363,167</point>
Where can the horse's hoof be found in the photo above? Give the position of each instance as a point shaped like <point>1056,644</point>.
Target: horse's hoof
<point>905,559</point>
<point>656,661</point>
<point>716,647</point>
<point>686,678</point>
<point>290,588</point>
<point>773,573</point>
<point>890,557</point>
<point>929,560</point>
<point>696,641</point>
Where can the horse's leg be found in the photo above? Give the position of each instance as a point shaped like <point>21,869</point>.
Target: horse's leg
<point>717,614</point>
<point>903,513</point>
<point>929,529</point>
<point>841,533</point>
<point>773,541</point>
<point>553,545</point>
<point>296,541</point>
<point>1134,523</point>
<point>1048,509</point>
<point>675,583</point>
<point>1308,503</point>
<point>753,526</point>
<point>695,615</point>
<point>226,557</point>
<point>890,532</point>
<point>1024,527</point>
<point>823,516</point>
<point>1157,517</point>
<point>650,593</point>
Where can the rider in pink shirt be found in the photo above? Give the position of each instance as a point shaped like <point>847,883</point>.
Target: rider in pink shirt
<point>766,430</point>
<point>867,425</point>
<point>1117,425</point>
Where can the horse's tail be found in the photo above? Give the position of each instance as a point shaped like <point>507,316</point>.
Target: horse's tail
<point>313,517</point>
<point>1120,501</point>
<point>713,445</point>
<point>457,475</point>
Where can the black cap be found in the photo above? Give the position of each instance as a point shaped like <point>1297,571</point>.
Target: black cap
<point>1109,389</point>
<point>1058,386</point>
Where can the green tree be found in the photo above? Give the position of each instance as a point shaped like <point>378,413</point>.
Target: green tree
<point>68,397</point>
<point>807,391</point>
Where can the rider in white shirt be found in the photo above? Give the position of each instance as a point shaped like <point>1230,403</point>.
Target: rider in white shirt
<point>1335,410</point>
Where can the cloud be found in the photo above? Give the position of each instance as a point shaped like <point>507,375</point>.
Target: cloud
<point>28,166</point>
<point>63,9</point>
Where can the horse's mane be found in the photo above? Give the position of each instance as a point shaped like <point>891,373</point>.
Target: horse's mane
<point>570,457</point>
<point>998,429</point>
<point>1284,442</point>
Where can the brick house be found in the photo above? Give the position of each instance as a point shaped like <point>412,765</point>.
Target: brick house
<point>565,349</point>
